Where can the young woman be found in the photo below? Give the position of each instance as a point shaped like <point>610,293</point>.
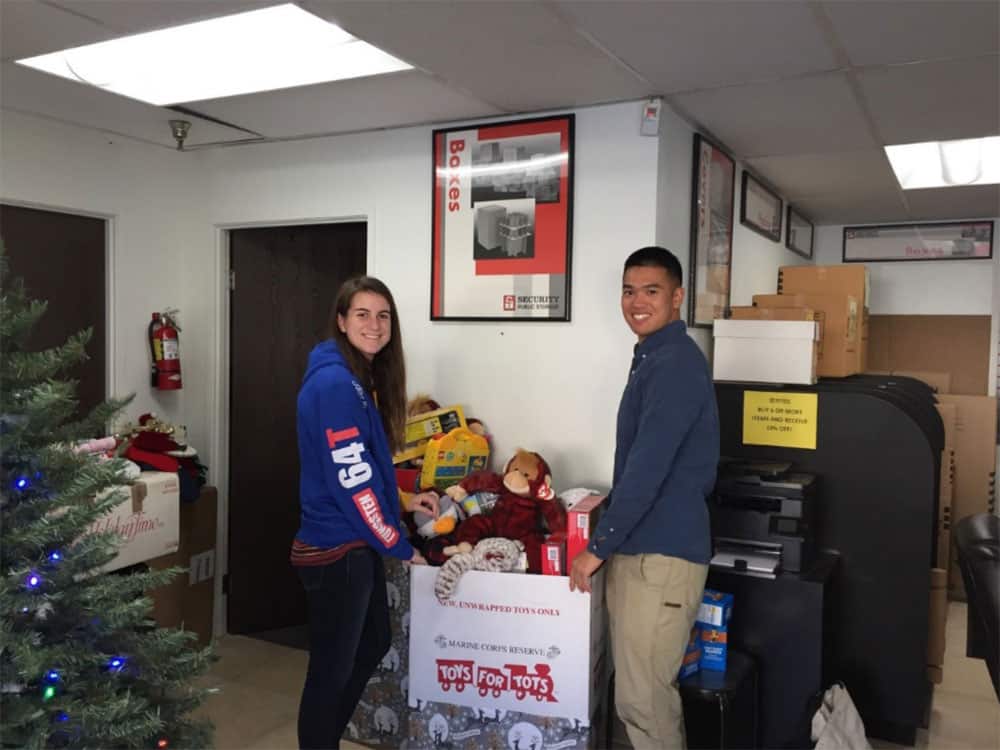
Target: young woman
<point>351,415</point>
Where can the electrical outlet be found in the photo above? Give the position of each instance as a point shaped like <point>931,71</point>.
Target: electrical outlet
<point>201,567</point>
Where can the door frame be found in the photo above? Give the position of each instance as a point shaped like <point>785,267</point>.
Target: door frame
<point>218,399</point>
<point>110,233</point>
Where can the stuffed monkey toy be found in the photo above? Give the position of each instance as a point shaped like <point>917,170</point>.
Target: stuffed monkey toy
<point>525,497</point>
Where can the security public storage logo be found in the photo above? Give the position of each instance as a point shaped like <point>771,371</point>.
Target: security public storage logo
<point>509,303</point>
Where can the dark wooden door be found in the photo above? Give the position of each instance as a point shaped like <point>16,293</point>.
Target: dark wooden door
<point>286,279</point>
<point>61,258</point>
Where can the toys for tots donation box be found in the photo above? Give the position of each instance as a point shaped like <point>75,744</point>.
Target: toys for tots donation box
<point>509,642</point>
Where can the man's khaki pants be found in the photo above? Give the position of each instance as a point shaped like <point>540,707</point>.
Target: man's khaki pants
<point>652,603</point>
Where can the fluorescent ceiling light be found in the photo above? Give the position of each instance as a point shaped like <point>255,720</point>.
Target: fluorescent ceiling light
<point>263,50</point>
<point>974,161</point>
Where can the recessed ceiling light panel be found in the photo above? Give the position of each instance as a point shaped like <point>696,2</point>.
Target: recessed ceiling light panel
<point>262,50</point>
<point>973,161</point>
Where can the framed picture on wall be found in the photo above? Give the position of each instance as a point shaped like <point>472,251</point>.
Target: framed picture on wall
<point>760,208</point>
<point>799,234</point>
<point>502,221</point>
<point>946,240</point>
<point>714,175</point>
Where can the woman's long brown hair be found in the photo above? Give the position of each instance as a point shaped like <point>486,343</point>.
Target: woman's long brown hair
<point>385,375</point>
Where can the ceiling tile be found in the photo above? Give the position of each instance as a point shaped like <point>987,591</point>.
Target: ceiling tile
<point>875,33</point>
<point>29,28</point>
<point>814,174</point>
<point>516,56</point>
<point>135,16</point>
<point>934,100</point>
<point>858,208</point>
<point>27,90</point>
<point>970,202</point>
<point>812,115</point>
<point>344,106</point>
<point>681,46</point>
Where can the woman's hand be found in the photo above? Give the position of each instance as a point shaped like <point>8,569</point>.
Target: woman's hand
<point>427,502</point>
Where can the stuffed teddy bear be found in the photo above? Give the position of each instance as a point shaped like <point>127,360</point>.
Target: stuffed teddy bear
<point>525,498</point>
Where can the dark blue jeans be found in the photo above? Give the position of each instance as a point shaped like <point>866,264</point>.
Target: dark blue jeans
<point>348,636</point>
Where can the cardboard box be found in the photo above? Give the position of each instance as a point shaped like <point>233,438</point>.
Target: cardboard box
<point>765,351</point>
<point>752,312</point>
<point>958,345</point>
<point>851,279</point>
<point>937,621</point>
<point>422,427</point>
<point>148,520</point>
<point>716,609</point>
<point>554,555</point>
<point>714,649</point>
<point>581,520</point>
<point>189,600</point>
<point>975,465</point>
<point>508,641</point>
<point>692,654</point>
<point>842,321</point>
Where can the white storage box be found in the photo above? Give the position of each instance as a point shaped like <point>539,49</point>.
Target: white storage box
<point>148,519</point>
<point>766,351</point>
<point>509,642</point>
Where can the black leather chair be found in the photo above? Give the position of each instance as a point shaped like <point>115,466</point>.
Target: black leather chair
<point>977,541</point>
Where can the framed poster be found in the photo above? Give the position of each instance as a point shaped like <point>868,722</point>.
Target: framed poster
<point>799,234</point>
<point>502,221</point>
<point>951,240</point>
<point>711,232</point>
<point>760,208</point>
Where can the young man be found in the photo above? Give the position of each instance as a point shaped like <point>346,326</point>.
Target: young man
<point>655,534</point>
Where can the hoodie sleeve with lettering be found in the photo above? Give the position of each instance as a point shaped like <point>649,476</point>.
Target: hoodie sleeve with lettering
<point>347,481</point>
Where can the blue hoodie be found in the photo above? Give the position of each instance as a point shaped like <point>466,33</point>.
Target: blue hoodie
<point>347,483</point>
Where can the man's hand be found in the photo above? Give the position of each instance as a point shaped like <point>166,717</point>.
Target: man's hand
<point>427,502</point>
<point>584,566</point>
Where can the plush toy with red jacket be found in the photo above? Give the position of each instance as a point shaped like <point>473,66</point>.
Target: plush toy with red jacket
<point>525,498</point>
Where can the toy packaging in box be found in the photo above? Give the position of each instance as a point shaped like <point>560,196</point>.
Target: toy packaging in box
<point>422,427</point>
<point>581,520</point>
<point>449,458</point>
<point>692,654</point>
<point>554,555</point>
<point>714,647</point>
<point>716,609</point>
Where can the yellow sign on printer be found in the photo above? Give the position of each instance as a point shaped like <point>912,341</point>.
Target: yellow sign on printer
<point>785,420</point>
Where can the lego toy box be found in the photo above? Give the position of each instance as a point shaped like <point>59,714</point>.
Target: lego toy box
<point>449,458</point>
<point>422,427</point>
<point>581,520</point>
<point>554,555</point>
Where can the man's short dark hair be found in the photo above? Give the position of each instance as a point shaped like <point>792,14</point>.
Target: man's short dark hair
<point>653,255</point>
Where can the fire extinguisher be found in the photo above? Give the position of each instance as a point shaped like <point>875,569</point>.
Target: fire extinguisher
<point>165,348</point>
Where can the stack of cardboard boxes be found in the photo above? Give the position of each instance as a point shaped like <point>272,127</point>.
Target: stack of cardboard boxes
<point>832,298</point>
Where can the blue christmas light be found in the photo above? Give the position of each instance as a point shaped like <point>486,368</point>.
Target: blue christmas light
<point>55,556</point>
<point>33,580</point>
<point>52,676</point>
<point>62,716</point>
<point>117,663</point>
<point>22,483</point>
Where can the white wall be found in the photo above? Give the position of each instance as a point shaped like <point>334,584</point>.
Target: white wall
<point>153,198</point>
<point>756,258</point>
<point>919,287</point>
<point>552,387</point>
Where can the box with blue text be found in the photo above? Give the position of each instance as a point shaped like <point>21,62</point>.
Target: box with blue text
<point>716,609</point>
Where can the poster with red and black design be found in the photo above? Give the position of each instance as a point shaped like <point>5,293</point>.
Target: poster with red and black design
<point>503,200</point>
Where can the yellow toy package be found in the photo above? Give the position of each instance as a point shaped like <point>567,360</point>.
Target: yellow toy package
<point>450,458</point>
<point>422,427</point>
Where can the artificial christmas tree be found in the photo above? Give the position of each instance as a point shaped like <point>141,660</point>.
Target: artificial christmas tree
<point>81,663</point>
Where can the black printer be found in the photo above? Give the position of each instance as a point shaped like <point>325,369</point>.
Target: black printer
<point>763,518</point>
